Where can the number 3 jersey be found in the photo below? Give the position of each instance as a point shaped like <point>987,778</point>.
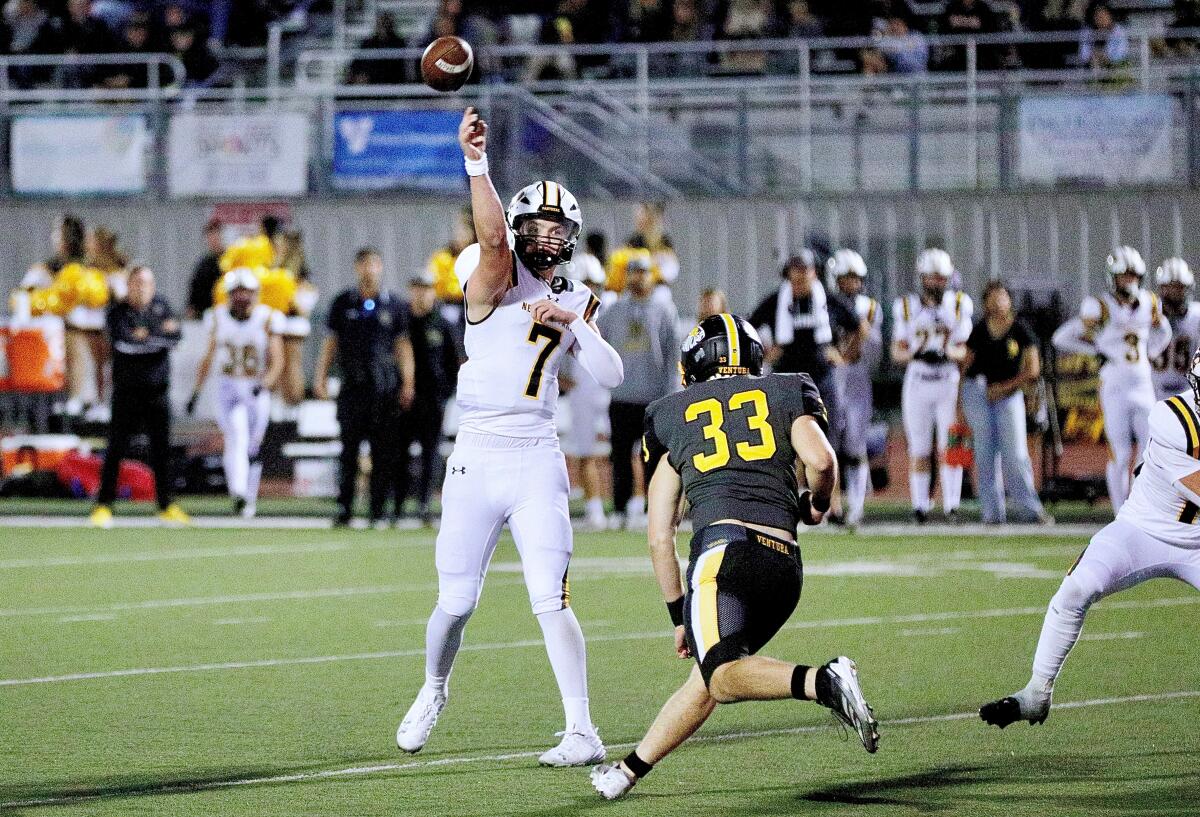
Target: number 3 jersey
<point>509,384</point>
<point>242,344</point>
<point>1125,335</point>
<point>1169,369</point>
<point>730,439</point>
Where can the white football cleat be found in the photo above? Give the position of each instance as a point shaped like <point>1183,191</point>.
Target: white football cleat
<point>576,749</point>
<point>414,730</point>
<point>611,782</point>
<point>848,704</point>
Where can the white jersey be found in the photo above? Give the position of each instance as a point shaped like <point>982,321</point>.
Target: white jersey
<point>509,384</point>
<point>1169,369</point>
<point>1126,336</point>
<point>1157,504</point>
<point>932,328</point>
<point>242,345</point>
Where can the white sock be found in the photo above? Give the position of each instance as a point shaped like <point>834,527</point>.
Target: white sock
<point>856,491</point>
<point>443,637</point>
<point>636,506</point>
<point>595,510</point>
<point>951,486</point>
<point>1116,475</point>
<point>568,658</point>
<point>918,489</point>
<point>253,478</point>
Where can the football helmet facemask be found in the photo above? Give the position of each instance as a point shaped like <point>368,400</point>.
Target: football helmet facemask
<point>1122,260</point>
<point>548,201</point>
<point>720,345</point>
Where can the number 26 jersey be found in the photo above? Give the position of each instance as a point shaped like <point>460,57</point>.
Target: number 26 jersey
<point>730,439</point>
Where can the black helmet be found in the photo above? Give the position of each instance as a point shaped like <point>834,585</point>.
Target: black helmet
<point>721,345</point>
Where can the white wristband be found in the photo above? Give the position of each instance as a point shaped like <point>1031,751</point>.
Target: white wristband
<point>477,167</point>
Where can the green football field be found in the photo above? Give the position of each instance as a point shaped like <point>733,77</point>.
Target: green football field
<point>263,672</point>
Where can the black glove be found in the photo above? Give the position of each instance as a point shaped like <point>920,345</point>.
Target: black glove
<point>191,404</point>
<point>256,390</point>
<point>931,357</point>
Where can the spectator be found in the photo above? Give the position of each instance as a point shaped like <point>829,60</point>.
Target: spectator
<point>198,60</point>
<point>745,20</point>
<point>712,302</point>
<point>142,329</point>
<point>385,71</point>
<point>1187,15</point>
<point>643,21</point>
<point>368,334</point>
<point>905,50</point>
<point>643,331</point>
<point>298,312</point>
<point>969,18</point>
<point>1105,43</point>
<point>687,26</point>
<point>799,22</point>
<point>135,41</point>
<point>78,32</point>
<point>1002,359</point>
<point>206,273</point>
<point>437,354</point>
<point>25,21</point>
<point>241,22</point>
<point>447,21</point>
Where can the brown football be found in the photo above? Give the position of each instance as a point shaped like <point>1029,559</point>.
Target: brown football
<point>446,64</point>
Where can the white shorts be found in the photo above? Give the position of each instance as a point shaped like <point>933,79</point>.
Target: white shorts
<point>492,480</point>
<point>1122,555</point>
<point>928,401</point>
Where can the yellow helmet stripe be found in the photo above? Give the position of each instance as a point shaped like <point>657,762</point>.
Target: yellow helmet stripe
<point>735,346</point>
<point>551,196</point>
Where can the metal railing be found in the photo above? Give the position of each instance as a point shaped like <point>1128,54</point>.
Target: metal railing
<point>20,76</point>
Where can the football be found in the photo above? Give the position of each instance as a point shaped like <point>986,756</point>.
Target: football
<point>446,64</point>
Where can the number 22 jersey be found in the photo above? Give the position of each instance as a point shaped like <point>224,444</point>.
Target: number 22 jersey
<point>730,439</point>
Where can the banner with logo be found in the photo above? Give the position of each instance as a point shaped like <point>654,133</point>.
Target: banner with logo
<point>1108,140</point>
<point>238,154</point>
<point>377,150</point>
<point>79,155</point>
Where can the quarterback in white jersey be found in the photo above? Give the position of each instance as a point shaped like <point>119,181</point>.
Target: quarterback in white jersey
<point>860,351</point>
<point>1169,369</point>
<point>1155,535</point>
<point>506,467</point>
<point>1126,329</point>
<point>929,334</point>
<point>245,343</point>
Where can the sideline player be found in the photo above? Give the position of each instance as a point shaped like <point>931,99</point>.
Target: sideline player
<point>731,440</point>
<point>929,335</point>
<point>1125,329</point>
<point>245,339</point>
<point>1155,535</point>
<point>1169,369</point>
<point>506,465</point>
<point>860,351</point>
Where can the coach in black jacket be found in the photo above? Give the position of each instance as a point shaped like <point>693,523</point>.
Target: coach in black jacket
<point>142,330</point>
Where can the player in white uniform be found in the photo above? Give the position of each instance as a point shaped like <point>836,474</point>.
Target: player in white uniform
<point>1155,535</point>
<point>506,466</point>
<point>861,353</point>
<point>1125,328</point>
<point>1169,369</point>
<point>929,334</point>
<point>246,344</point>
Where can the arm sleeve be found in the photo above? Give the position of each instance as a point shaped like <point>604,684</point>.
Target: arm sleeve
<point>595,355</point>
<point>1069,338</point>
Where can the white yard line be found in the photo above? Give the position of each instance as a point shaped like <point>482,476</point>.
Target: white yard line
<point>361,771</point>
<point>911,618</point>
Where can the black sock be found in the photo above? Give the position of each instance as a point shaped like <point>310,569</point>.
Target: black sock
<point>798,682</point>
<point>635,764</point>
<point>824,687</point>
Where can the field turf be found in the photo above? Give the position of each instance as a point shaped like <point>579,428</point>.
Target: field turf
<point>211,672</point>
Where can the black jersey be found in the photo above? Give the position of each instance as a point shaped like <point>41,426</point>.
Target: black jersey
<point>730,439</point>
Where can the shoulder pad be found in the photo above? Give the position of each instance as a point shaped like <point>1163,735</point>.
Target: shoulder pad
<point>1093,309</point>
<point>1174,423</point>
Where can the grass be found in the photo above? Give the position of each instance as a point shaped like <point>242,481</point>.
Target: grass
<point>937,626</point>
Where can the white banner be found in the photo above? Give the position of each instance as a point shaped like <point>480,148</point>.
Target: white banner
<point>232,155</point>
<point>1096,139</point>
<point>72,155</point>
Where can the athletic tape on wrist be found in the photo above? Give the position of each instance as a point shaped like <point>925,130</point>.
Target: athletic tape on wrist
<point>675,609</point>
<point>477,167</point>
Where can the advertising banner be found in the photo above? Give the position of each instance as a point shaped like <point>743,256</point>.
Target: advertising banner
<point>79,155</point>
<point>377,150</point>
<point>238,154</point>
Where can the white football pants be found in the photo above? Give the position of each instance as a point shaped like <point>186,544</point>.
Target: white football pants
<point>243,419</point>
<point>1126,408</point>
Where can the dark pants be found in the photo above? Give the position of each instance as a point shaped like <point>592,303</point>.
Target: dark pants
<point>136,411</point>
<point>627,421</point>
<point>422,424</point>
<point>375,419</point>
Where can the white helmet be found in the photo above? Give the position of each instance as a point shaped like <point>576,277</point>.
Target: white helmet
<point>240,278</point>
<point>1122,260</point>
<point>846,262</point>
<point>935,262</point>
<point>548,200</point>
<point>1174,271</point>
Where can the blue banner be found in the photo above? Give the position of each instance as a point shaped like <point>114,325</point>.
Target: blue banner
<point>380,150</point>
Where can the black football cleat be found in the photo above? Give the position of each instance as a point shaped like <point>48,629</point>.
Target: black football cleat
<point>1008,710</point>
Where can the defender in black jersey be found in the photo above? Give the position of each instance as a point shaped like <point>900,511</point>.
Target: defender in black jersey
<point>731,441</point>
